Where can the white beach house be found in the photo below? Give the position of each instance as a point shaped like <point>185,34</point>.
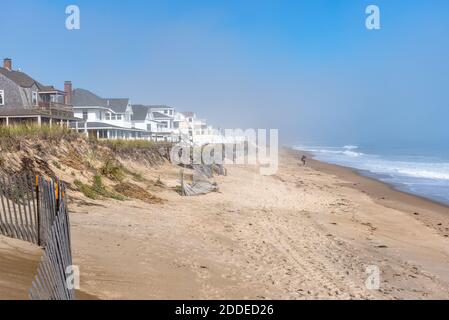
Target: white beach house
<point>142,118</point>
<point>105,118</point>
<point>165,115</point>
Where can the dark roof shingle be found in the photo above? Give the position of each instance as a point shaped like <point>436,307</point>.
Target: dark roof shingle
<point>23,80</point>
<point>158,115</point>
<point>84,98</point>
<point>140,112</point>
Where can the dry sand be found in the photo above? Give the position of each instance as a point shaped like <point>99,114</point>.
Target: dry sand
<point>305,233</point>
<point>18,265</point>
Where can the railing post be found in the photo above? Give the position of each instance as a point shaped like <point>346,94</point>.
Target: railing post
<point>57,198</point>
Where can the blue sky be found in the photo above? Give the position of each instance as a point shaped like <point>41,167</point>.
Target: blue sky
<point>309,68</point>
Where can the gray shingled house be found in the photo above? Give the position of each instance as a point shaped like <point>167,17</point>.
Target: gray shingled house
<point>23,99</point>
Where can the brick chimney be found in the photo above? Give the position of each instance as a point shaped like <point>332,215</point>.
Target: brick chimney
<point>7,64</point>
<point>68,92</point>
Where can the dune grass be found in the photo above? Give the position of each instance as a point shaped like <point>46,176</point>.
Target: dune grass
<point>28,131</point>
<point>128,145</point>
<point>97,190</point>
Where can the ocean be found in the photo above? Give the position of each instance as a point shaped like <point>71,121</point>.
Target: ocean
<point>421,171</point>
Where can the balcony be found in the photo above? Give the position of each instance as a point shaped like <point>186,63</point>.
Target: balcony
<point>164,130</point>
<point>56,109</point>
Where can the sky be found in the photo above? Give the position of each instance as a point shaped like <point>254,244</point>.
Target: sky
<point>309,68</point>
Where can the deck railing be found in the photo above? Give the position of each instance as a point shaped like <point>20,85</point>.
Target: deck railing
<point>55,108</point>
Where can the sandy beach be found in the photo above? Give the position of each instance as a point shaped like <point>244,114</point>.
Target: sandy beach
<point>18,264</point>
<point>305,233</point>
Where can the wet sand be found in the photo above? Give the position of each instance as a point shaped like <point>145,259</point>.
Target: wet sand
<point>431,213</point>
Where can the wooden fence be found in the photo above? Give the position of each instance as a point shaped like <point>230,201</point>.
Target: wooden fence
<point>201,183</point>
<point>35,210</point>
<point>19,208</point>
<point>51,279</point>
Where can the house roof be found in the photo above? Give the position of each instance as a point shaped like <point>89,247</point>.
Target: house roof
<point>23,80</point>
<point>85,98</point>
<point>160,107</point>
<point>188,114</point>
<point>158,115</point>
<point>140,112</point>
<point>117,105</point>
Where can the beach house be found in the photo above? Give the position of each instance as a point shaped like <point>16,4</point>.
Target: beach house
<point>165,115</point>
<point>182,124</point>
<point>106,118</point>
<point>24,99</point>
<point>142,118</point>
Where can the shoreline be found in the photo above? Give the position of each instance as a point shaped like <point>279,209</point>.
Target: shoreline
<point>422,208</point>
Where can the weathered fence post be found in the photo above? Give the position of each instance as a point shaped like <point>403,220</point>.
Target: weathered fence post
<point>38,213</point>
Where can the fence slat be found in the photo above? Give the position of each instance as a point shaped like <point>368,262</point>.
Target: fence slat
<point>12,222</point>
<point>4,229</point>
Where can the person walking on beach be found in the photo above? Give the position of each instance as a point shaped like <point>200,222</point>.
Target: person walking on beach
<point>303,159</point>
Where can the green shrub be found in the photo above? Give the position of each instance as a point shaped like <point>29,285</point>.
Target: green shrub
<point>113,170</point>
<point>98,190</point>
<point>87,190</point>
<point>56,164</point>
<point>135,175</point>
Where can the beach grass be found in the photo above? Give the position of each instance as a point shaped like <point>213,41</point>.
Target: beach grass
<point>129,145</point>
<point>97,190</point>
<point>113,170</point>
<point>29,131</point>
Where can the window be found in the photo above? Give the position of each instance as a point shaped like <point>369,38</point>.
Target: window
<point>113,116</point>
<point>171,112</point>
<point>34,98</point>
<point>119,117</point>
<point>2,97</point>
<point>85,114</point>
<point>107,116</point>
<point>165,111</point>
